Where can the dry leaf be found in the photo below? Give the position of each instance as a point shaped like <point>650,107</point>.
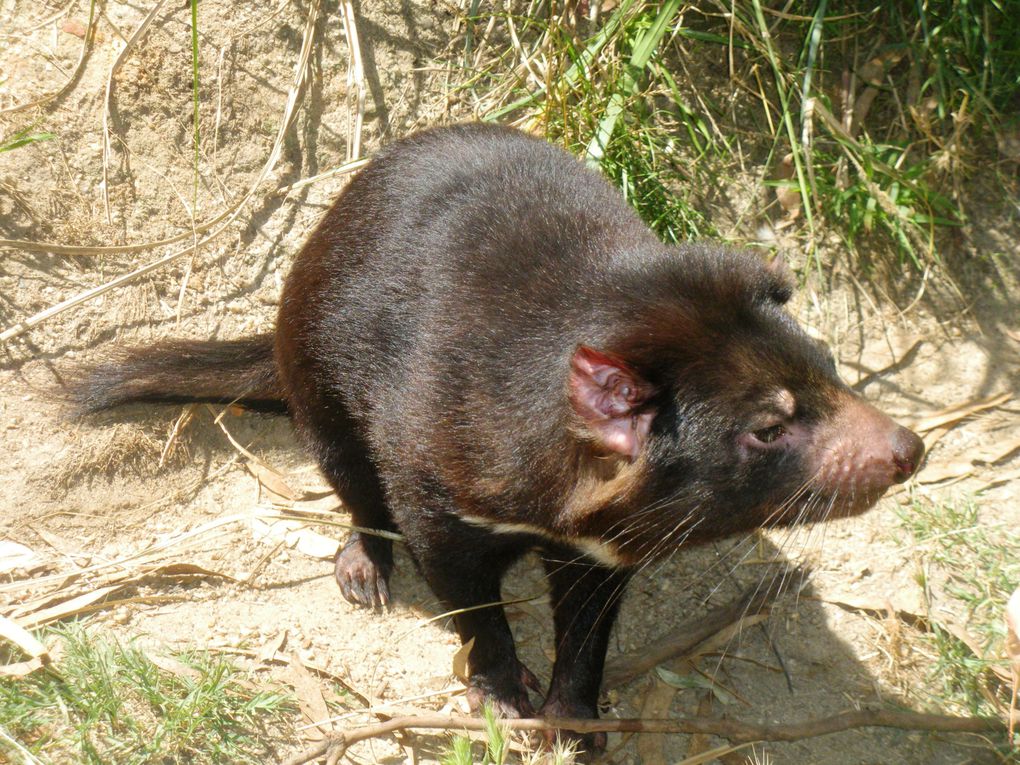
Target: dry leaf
<point>957,412</point>
<point>311,496</point>
<point>725,636</point>
<point>271,532</point>
<point>460,661</point>
<point>15,633</point>
<point>907,604</point>
<point>788,196</point>
<point>696,635</point>
<point>21,668</point>
<point>69,607</point>
<point>313,544</point>
<point>965,467</point>
<point>58,543</point>
<point>699,743</point>
<point>1000,478</point>
<point>277,483</point>
<point>14,556</point>
<point>310,698</point>
<point>998,452</point>
<point>933,436</point>
<point>174,667</point>
<point>272,480</point>
<point>38,653</point>
<point>273,646</point>
<point>181,570</point>
<point>959,631</point>
<point>786,189</point>
<point>719,753</point>
<point>914,614</point>
<point>946,472</point>
<point>295,535</point>
<point>150,574</point>
<point>697,681</point>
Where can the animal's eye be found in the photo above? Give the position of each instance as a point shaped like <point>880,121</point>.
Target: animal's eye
<point>770,434</point>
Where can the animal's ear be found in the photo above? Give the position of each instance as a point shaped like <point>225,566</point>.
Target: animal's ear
<point>610,398</point>
<point>780,287</point>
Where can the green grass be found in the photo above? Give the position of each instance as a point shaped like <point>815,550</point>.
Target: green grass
<point>972,568</point>
<point>616,105</point>
<point>900,205</point>
<point>23,138</point>
<point>493,752</point>
<point>496,748</point>
<point>881,108</point>
<point>104,702</point>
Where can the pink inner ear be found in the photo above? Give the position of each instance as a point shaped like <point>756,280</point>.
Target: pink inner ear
<point>607,394</point>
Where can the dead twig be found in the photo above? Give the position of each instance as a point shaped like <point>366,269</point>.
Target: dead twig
<point>689,634</point>
<point>344,169</point>
<point>221,221</point>
<point>86,45</point>
<point>733,730</point>
<point>312,667</point>
<point>355,80</point>
<point>117,62</point>
<point>138,558</point>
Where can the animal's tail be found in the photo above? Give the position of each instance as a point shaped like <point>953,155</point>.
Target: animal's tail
<point>181,371</point>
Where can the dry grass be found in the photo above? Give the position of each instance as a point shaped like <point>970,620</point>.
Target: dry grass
<point>134,447</point>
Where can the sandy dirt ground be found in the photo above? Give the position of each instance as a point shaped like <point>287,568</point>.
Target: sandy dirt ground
<point>93,493</point>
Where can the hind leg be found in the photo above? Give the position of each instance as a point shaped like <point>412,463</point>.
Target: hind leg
<point>363,565</point>
<point>336,435</point>
<point>362,568</point>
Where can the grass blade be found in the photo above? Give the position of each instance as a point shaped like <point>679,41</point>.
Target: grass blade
<point>644,47</point>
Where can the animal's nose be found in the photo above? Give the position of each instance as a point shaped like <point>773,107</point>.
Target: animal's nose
<point>907,453</point>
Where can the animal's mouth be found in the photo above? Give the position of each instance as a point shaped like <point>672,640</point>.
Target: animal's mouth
<point>819,506</point>
<point>846,507</point>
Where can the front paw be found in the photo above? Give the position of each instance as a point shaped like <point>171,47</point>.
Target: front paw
<point>587,745</point>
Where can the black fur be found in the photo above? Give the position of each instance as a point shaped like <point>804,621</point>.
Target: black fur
<point>179,371</point>
<point>488,350</point>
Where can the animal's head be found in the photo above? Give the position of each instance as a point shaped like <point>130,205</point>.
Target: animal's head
<point>720,414</point>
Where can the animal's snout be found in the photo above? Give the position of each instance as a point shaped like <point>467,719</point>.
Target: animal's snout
<point>861,453</point>
<point>907,453</point>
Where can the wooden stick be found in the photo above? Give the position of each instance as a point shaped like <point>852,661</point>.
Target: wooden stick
<point>733,730</point>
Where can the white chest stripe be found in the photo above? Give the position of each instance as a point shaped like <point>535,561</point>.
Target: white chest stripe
<point>591,546</point>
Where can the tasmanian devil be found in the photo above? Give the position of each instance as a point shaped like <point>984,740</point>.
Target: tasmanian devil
<point>488,351</point>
